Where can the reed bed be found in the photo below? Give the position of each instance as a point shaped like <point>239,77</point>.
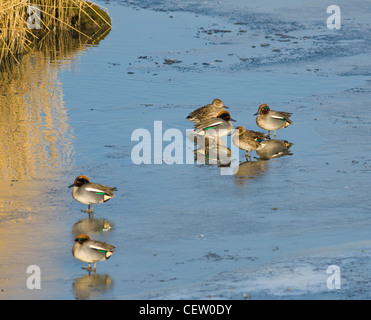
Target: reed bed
<point>25,23</point>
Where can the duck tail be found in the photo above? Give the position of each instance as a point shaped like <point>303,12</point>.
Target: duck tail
<point>288,122</point>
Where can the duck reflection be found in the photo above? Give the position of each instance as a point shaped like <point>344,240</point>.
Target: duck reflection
<point>275,149</point>
<point>212,151</point>
<point>91,226</point>
<point>271,149</point>
<point>251,169</point>
<point>91,286</point>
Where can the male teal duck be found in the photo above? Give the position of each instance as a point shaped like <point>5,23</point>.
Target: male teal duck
<point>270,120</point>
<point>87,250</point>
<point>90,193</point>
<point>215,127</point>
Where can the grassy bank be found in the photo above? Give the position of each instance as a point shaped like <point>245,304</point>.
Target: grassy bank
<point>24,24</point>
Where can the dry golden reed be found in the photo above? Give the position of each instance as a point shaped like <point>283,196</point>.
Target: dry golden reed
<point>18,18</point>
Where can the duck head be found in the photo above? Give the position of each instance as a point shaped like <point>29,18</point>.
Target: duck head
<point>219,103</point>
<point>225,116</point>
<point>239,130</point>
<point>263,109</point>
<point>81,238</point>
<point>79,181</point>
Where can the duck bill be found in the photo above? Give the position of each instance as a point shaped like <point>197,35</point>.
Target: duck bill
<point>225,107</point>
<point>255,114</point>
<point>232,120</point>
<point>71,186</point>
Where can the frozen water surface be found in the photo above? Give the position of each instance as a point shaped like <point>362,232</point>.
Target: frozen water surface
<point>185,231</point>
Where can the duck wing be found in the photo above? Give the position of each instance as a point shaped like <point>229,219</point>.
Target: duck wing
<point>208,124</point>
<point>256,135</point>
<point>100,189</point>
<point>199,114</point>
<point>101,246</point>
<point>284,116</point>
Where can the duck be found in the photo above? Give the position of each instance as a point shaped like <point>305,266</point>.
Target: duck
<point>90,193</point>
<point>208,111</point>
<point>270,120</point>
<point>91,251</point>
<point>248,140</point>
<point>218,126</point>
